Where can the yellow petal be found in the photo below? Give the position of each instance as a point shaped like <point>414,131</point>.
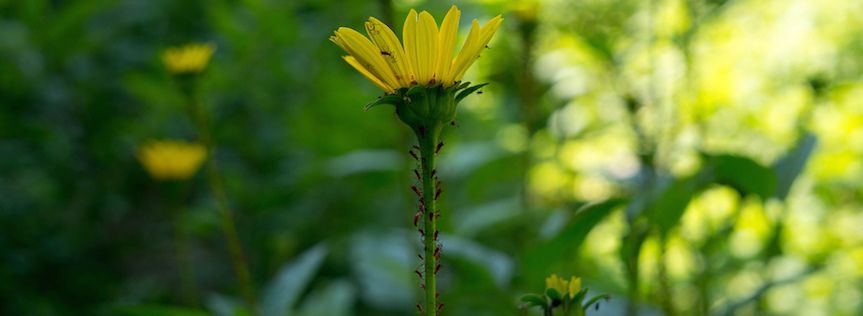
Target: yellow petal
<point>367,54</point>
<point>391,50</point>
<point>338,41</point>
<point>409,34</point>
<point>426,47</point>
<point>574,286</point>
<point>447,38</point>
<point>466,51</point>
<point>359,67</point>
<point>550,281</point>
<point>485,35</point>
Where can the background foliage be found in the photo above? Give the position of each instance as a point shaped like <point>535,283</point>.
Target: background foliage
<point>688,157</point>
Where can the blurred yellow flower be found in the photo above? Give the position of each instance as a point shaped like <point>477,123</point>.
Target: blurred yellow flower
<point>563,287</point>
<point>190,58</point>
<point>171,159</point>
<point>426,57</point>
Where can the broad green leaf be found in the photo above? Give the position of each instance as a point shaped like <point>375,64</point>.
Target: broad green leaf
<point>789,167</point>
<point>665,211</point>
<point>743,174</point>
<point>539,258</point>
<point>499,265</point>
<point>383,264</point>
<point>282,294</point>
<point>336,299</point>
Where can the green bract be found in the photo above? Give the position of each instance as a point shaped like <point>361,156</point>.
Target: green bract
<point>427,108</point>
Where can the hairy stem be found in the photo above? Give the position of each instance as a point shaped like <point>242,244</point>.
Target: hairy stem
<point>428,140</point>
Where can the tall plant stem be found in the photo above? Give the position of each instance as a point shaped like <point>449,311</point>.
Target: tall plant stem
<point>188,290</point>
<point>428,140</point>
<point>229,227</point>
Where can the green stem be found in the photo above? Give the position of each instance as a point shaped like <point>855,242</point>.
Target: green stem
<point>184,260</point>
<point>428,140</point>
<point>178,193</point>
<point>229,227</point>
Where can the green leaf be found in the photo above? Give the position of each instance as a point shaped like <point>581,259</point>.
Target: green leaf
<point>789,167</point>
<point>387,99</point>
<point>665,211</point>
<point>466,92</point>
<point>281,295</point>
<point>462,85</point>
<point>538,259</point>
<point>153,310</point>
<point>534,300</point>
<point>553,294</point>
<point>578,297</point>
<point>743,174</point>
<point>336,299</point>
<point>595,299</point>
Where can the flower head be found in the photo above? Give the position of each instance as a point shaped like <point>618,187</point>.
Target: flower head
<point>562,286</point>
<point>188,59</point>
<point>171,159</point>
<point>423,57</point>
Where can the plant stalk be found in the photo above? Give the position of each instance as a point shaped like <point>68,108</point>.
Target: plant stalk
<point>428,141</point>
<point>229,227</point>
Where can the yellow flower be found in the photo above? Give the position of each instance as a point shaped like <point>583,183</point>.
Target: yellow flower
<point>171,159</point>
<point>555,282</point>
<point>571,287</point>
<point>425,54</point>
<point>190,58</point>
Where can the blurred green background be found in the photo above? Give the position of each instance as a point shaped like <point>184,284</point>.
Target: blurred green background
<point>688,157</point>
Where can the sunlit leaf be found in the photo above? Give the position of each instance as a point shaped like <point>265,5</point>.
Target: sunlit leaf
<point>537,259</point>
<point>664,212</point>
<point>291,281</point>
<point>743,174</point>
<point>789,167</point>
